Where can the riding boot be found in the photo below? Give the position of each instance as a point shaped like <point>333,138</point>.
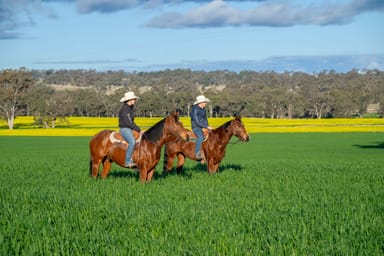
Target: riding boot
<point>131,164</point>
<point>199,156</point>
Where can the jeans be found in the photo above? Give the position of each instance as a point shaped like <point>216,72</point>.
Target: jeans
<point>128,136</point>
<point>200,138</point>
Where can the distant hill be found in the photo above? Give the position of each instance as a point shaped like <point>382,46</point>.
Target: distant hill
<point>307,64</point>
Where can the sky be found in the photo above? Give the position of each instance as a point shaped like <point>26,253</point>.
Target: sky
<point>137,35</point>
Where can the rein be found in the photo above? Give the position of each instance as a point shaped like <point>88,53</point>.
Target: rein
<point>233,143</point>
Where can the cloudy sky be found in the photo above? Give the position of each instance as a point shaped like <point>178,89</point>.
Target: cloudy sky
<point>199,34</point>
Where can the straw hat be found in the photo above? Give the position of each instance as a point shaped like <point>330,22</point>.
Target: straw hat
<point>200,99</point>
<point>129,96</point>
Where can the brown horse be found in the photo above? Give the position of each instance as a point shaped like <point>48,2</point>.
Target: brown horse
<point>213,147</point>
<point>106,147</point>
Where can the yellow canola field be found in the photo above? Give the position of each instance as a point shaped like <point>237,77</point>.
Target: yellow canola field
<point>88,126</point>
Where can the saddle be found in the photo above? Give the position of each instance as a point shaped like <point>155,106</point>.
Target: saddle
<point>115,137</point>
<point>192,136</point>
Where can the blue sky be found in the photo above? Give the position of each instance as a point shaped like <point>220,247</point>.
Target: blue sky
<point>136,35</point>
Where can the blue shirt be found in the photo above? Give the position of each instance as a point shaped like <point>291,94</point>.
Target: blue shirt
<point>198,117</point>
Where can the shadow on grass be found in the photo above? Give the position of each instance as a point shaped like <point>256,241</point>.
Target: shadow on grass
<point>198,167</point>
<point>128,173</point>
<point>374,145</point>
<point>222,168</point>
<point>186,173</point>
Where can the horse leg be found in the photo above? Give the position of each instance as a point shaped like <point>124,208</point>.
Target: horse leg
<point>143,175</point>
<point>215,167</point>
<point>212,166</point>
<point>94,166</point>
<point>168,163</point>
<point>150,174</point>
<point>180,163</point>
<point>106,168</point>
<point>90,167</point>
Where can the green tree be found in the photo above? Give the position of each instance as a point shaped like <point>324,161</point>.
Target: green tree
<point>14,85</point>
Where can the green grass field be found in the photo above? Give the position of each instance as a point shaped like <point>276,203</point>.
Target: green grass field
<point>279,194</point>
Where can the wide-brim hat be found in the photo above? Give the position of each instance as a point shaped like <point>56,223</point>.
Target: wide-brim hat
<point>200,99</point>
<point>129,96</point>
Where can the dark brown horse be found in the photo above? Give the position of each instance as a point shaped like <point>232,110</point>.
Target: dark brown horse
<point>107,147</point>
<point>213,147</point>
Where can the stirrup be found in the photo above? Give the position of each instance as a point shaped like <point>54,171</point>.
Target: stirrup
<point>131,164</point>
<point>199,156</point>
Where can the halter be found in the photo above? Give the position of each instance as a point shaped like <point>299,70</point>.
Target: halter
<point>233,143</point>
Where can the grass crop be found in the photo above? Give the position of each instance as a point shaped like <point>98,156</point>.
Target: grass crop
<point>279,194</point>
<point>88,126</point>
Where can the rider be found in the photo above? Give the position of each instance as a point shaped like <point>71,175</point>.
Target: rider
<point>127,124</point>
<point>199,122</point>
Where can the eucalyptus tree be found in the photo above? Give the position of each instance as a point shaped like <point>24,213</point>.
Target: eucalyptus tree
<point>14,85</point>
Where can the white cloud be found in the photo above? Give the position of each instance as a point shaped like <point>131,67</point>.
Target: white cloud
<point>216,13</point>
<point>20,13</point>
<point>267,13</point>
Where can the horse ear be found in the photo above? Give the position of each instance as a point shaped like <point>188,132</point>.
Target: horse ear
<point>237,115</point>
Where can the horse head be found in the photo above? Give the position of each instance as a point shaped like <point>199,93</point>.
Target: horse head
<point>175,127</point>
<point>238,129</point>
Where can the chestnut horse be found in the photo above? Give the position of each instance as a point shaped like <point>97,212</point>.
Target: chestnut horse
<point>213,147</point>
<point>106,147</point>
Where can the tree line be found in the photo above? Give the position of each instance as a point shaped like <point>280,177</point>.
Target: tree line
<point>51,94</point>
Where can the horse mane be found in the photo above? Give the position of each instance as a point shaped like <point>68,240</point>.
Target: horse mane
<point>228,123</point>
<point>154,133</point>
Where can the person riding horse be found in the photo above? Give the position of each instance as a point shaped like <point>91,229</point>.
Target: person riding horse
<point>199,122</point>
<point>127,124</point>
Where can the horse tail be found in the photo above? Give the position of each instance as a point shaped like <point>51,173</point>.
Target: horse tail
<point>165,159</point>
<point>90,166</point>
